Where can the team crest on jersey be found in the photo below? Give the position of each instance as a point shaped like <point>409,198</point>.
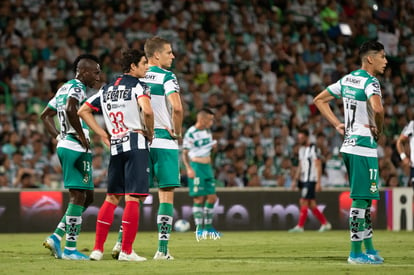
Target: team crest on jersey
<point>86,178</point>
<point>373,188</point>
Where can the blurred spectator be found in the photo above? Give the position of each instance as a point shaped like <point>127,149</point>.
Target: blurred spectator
<point>22,84</point>
<point>335,174</point>
<point>4,166</point>
<point>99,171</point>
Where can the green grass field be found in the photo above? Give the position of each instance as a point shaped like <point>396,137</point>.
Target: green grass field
<point>248,252</point>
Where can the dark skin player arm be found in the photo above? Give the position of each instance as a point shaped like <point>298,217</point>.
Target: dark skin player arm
<point>72,113</point>
<point>47,117</point>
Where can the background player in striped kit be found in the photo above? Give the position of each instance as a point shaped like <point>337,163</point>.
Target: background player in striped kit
<point>308,179</point>
<point>74,153</point>
<point>197,145</point>
<point>363,124</point>
<point>407,136</point>
<point>129,119</point>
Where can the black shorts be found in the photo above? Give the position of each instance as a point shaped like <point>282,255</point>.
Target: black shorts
<point>128,173</point>
<point>307,189</point>
<point>411,180</point>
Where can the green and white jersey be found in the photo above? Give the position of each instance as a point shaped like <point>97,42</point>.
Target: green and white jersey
<point>355,89</point>
<point>198,142</point>
<point>162,83</point>
<point>76,89</point>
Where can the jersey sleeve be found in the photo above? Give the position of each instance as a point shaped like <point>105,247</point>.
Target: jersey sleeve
<point>142,89</point>
<point>408,130</point>
<point>52,104</point>
<point>335,89</point>
<point>77,93</point>
<point>95,102</point>
<point>171,84</point>
<point>373,88</point>
<point>188,141</point>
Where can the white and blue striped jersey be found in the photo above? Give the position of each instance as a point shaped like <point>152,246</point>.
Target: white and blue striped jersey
<point>307,157</point>
<point>408,131</point>
<point>118,102</point>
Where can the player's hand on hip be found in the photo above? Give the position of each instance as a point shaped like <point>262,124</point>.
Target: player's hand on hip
<point>85,143</point>
<point>340,128</point>
<point>149,135</point>
<point>190,173</point>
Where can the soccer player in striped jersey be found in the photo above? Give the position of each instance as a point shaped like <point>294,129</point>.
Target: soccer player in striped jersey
<point>164,153</point>
<point>308,179</point>
<point>407,136</point>
<point>129,119</point>
<point>197,145</point>
<point>363,124</point>
<point>74,153</point>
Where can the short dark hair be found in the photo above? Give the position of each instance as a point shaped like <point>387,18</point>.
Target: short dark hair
<point>304,131</point>
<point>84,56</point>
<point>206,111</point>
<point>370,46</point>
<point>130,56</point>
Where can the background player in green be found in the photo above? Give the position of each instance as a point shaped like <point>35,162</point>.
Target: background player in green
<point>363,124</point>
<point>74,153</point>
<point>164,150</point>
<point>197,145</point>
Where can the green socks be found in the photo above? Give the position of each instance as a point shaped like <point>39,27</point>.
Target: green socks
<point>164,223</point>
<point>73,225</point>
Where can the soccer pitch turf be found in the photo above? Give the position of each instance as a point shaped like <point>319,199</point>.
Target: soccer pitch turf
<point>242,252</point>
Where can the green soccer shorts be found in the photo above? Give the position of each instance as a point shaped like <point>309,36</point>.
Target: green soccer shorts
<point>203,183</point>
<point>164,168</point>
<point>363,176</point>
<point>76,169</point>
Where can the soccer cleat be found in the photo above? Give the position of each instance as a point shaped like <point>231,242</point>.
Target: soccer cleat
<point>325,227</point>
<point>116,250</point>
<point>296,229</point>
<point>374,254</point>
<point>53,244</point>
<point>211,234</point>
<point>73,255</point>
<point>133,257</point>
<point>363,259</point>
<point>163,256</point>
<point>199,233</point>
<point>96,255</point>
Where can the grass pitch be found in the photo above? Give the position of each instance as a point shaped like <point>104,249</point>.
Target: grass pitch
<point>247,252</point>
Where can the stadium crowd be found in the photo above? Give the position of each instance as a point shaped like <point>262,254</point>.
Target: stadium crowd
<point>257,64</point>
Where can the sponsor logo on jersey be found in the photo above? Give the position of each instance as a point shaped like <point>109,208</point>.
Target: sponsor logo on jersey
<point>354,81</point>
<point>373,188</point>
<point>119,140</point>
<point>117,95</point>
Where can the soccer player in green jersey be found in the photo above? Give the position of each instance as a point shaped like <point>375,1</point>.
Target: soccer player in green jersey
<point>363,124</point>
<point>168,118</point>
<point>197,145</point>
<point>74,153</point>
